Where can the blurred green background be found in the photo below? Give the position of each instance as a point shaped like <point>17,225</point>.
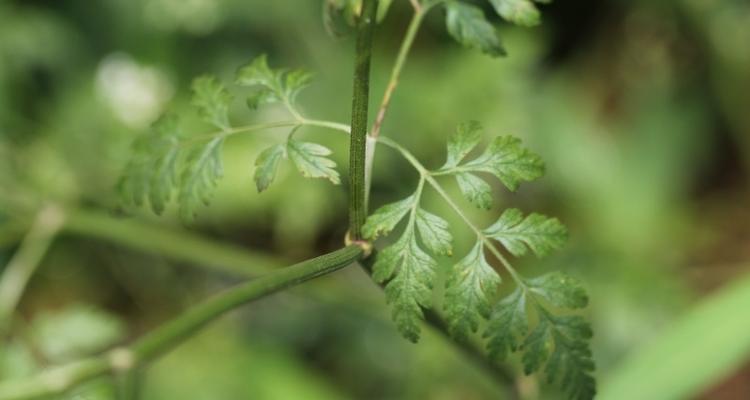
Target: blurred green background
<point>641,110</point>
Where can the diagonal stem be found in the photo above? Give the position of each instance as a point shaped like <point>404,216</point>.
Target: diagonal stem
<point>21,267</point>
<point>123,360</point>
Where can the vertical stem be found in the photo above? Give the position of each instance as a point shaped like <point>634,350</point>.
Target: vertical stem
<point>23,264</point>
<point>360,98</point>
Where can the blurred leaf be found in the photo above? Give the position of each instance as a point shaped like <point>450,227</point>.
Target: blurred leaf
<point>468,25</point>
<point>561,342</point>
<point>339,16</point>
<point>272,85</point>
<point>519,12</point>
<point>700,348</point>
<point>539,233</point>
<point>151,172</point>
<point>560,290</point>
<point>203,168</point>
<point>212,100</point>
<point>75,331</point>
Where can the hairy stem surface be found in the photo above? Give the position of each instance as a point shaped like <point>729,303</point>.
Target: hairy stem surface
<point>358,137</point>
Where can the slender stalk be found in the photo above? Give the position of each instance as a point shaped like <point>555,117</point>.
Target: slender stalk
<point>358,137</point>
<point>398,66</point>
<point>61,379</point>
<point>176,244</point>
<point>23,264</point>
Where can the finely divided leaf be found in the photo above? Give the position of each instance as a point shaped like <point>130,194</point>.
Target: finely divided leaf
<point>385,218</point>
<point>433,231</point>
<point>203,169</point>
<point>539,233</point>
<point>266,165</point>
<point>560,290</point>
<point>509,161</point>
<point>561,343</point>
<point>475,189</point>
<point>212,100</point>
<point>310,160</point>
<point>507,326</point>
<point>470,288</point>
<point>468,26</point>
<point>519,12</point>
<point>271,85</point>
<point>411,288</point>
<point>504,157</point>
<point>151,172</point>
<point>467,136</point>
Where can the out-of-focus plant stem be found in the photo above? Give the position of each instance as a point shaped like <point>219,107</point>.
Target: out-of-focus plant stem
<point>122,360</point>
<point>21,267</point>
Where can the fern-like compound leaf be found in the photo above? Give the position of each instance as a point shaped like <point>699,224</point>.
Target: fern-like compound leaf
<point>271,85</point>
<point>203,168</point>
<point>467,137</point>
<point>434,233</point>
<point>468,25</point>
<point>311,161</point>
<point>508,325</point>
<point>562,343</point>
<point>385,218</point>
<point>475,189</point>
<point>537,232</point>
<point>412,271</point>
<point>212,100</point>
<point>519,12</point>
<point>266,165</point>
<point>559,290</point>
<point>151,174</point>
<point>504,157</point>
<point>470,288</point>
<point>559,343</point>
<point>508,161</point>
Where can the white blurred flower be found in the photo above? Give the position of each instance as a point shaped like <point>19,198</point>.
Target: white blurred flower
<point>136,93</point>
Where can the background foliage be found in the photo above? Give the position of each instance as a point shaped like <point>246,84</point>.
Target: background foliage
<point>638,108</point>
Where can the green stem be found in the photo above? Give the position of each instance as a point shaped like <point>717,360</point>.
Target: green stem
<point>59,380</point>
<point>176,244</point>
<point>398,66</point>
<point>358,137</point>
<point>23,264</point>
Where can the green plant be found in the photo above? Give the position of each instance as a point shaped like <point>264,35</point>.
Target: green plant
<point>534,319</point>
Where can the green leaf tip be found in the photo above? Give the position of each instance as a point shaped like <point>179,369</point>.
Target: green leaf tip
<point>519,12</point>
<point>311,161</point>
<point>505,158</point>
<point>212,100</point>
<point>385,218</point>
<point>468,25</point>
<point>470,290</point>
<point>266,165</point>
<point>271,85</point>
<point>537,232</point>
